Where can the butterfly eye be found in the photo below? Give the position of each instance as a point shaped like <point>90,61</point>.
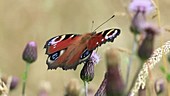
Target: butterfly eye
<point>86,54</point>
<point>54,56</point>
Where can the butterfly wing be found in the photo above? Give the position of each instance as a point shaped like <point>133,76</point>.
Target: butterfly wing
<point>60,42</point>
<point>102,37</point>
<point>65,50</point>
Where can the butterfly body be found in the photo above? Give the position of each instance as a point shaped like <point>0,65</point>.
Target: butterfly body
<point>69,50</point>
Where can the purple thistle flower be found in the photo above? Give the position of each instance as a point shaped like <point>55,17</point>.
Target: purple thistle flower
<point>159,86</point>
<point>14,82</point>
<point>138,22</point>
<point>30,52</point>
<point>144,6</point>
<point>87,73</point>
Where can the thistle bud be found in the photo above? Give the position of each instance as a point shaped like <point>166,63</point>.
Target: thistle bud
<point>30,52</point>
<point>115,84</point>
<point>87,73</point>
<point>138,22</point>
<point>146,48</point>
<point>73,88</point>
<point>159,86</point>
<point>13,80</point>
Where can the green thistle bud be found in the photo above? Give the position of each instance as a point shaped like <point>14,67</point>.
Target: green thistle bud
<point>30,52</point>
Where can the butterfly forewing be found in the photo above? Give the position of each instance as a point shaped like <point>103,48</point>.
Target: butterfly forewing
<point>102,37</point>
<point>60,42</point>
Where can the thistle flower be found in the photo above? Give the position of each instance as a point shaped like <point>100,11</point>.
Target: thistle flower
<point>144,6</point>
<point>13,80</point>
<point>138,23</point>
<point>115,84</point>
<point>72,88</point>
<point>146,48</point>
<point>140,8</point>
<point>29,55</point>
<point>87,73</point>
<point>30,52</point>
<point>159,86</point>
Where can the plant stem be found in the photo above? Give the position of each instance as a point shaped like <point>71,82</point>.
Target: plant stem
<point>25,78</point>
<point>86,88</point>
<point>130,60</point>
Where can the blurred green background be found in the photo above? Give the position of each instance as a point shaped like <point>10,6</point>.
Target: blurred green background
<point>22,21</point>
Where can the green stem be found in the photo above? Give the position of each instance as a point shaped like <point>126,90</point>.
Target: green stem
<point>131,59</point>
<point>86,88</point>
<point>25,78</point>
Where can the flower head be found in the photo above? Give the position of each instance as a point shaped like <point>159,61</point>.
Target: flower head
<point>87,73</point>
<point>159,86</point>
<point>30,52</point>
<point>12,80</point>
<point>144,6</point>
<point>95,58</point>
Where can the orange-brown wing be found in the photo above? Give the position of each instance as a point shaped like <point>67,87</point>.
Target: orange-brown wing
<point>67,56</point>
<point>102,37</point>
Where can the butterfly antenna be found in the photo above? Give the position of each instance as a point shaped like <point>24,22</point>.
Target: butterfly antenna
<point>92,26</point>
<point>103,23</point>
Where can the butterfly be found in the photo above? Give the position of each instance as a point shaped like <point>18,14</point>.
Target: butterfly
<point>69,50</point>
